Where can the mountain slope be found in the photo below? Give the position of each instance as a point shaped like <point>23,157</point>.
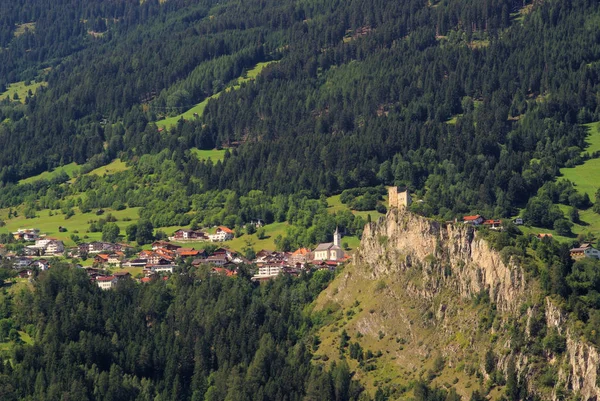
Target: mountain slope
<point>435,302</point>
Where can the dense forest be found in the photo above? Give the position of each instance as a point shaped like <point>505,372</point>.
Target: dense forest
<point>363,94</point>
<point>198,336</point>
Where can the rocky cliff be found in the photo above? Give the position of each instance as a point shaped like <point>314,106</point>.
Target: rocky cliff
<point>409,267</point>
<point>451,256</point>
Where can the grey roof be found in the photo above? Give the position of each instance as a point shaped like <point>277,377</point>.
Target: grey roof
<point>324,246</point>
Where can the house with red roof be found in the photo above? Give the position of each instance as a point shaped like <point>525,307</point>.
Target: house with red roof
<point>222,234</point>
<point>106,282</point>
<point>473,220</point>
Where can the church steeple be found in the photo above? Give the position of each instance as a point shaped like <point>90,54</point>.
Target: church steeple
<point>336,237</point>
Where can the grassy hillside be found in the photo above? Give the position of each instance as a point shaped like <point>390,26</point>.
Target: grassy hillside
<point>214,154</point>
<point>78,224</point>
<point>199,108</point>
<point>405,341</point>
<point>21,89</point>
<point>70,169</point>
<point>116,166</point>
<point>585,176</point>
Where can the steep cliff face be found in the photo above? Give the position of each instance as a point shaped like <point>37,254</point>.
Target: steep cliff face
<point>579,373</point>
<point>414,280</point>
<point>451,256</point>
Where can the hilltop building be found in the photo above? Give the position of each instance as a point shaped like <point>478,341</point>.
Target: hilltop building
<point>398,199</point>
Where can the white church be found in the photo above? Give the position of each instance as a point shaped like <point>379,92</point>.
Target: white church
<point>330,250</point>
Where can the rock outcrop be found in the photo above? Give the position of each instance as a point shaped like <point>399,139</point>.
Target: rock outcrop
<point>451,255</point>
<point>432,257</point>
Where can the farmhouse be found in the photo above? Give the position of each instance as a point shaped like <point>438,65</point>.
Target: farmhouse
<point>584,251</point>
<point>473,220</point>
<point>188,235</point>
<point>26,234</point>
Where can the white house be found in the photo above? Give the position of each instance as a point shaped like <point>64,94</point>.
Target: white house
<point>55,247</point>
<point>106,282</point>
<point>330,250</point>
<point>222,234</point>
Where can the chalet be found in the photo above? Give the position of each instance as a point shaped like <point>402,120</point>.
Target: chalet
<point>217,260</point>
<point>222,251</point>
<point>543,235</point>
<point>199,261</point>
<point>22,262</point>
<point>270,269</point>
<point>493,224</point>
<point>106,282</point>
<point>584,251</point>
<point>101,259</point>
<point>518,221</point>
<point>328,264</point>
<point>115,259</point>
<point>41,264</point>
<point>473,220</point>
<point>257,222</point>
<point>25,273</point>
<point>153,258</point>
<point>96,247</point>
<point>221,234</point>
<point>330,250</point>
<point>122,275</point>
<point>164,245</point>
<point>188,235</point>
<point>187,252</point>
<point>26,234</point>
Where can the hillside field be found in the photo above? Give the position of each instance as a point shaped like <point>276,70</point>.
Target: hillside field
<point>199,108</point>
<point>70,169</point>
<point>78,224</point>
<point>21,90</point>
<point>585,176</point>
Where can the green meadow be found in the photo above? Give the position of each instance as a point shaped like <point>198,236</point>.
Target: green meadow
<point>116,166</point>
<point>585,179</point>
<point>73,169</point>
<point>70,169</point>
<point>77,224</point>
<point>585,176</point>
<point>214,154</point>
<point>336,205</point>
<point>21,90</point>
<point>199,108</point>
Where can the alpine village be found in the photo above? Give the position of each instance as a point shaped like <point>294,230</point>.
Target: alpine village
<point>299,200</point>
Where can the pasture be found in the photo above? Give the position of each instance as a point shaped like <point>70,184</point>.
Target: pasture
<point>77,224</point>
<point>199,108</point>
<point>21,89</point>
<point>71,169</point>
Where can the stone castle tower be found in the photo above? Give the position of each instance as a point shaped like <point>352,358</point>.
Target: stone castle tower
<point>397,198</point>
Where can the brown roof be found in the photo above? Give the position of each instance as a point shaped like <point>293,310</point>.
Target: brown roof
<point>225,229</point>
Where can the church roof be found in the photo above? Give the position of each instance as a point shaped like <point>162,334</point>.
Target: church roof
<point>324,246</point>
